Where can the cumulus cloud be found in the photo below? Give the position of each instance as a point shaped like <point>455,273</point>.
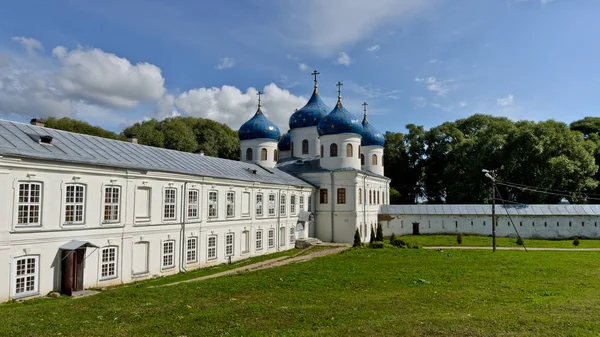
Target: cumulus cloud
<point>5,60</point>
<point>225,63</point>
<point>505,101</point>
<point>374,48</point>
<point>105,79</point>
<point>31,45</point>
<point>433,85</point>
<point>303,66</point>
<point>343,59</point>
<point>462,104</point>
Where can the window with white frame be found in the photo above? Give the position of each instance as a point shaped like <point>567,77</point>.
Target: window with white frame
<point>245,241</point>
<point>211,247</point>
<point>169,204</point>
<point>230,204</point>
<point>229,240</point>
<point>108,265</point>
<point>168,256</point>
<point>29,204</point>
<point>259,239</point>
<point>192,206</point>
<point>112,200</point>
<point>75,204</point>
<point>301,202</point>
<point>292,235</point>
<point>212,204</point>
<point>245,203</point>
<point>271,237</point>
<point>282,236</point>
<point>282,204</point>
<point>292,204</point>
<point>192,250</point>
<point>259,204</point>
<point>271,204</point>
<point>26,275</point>
<point>142,203</point>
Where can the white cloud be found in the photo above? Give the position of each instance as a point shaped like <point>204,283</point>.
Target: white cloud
<point>5,60</point>
<point>105,79</point>
<point>505,101</point>
<point>31,45</point>
<point>374,48</point>
<point>343,59</point>
<point>330,25</point>
<point>462,104</point>
<point>303,66</point>
<point>432,61</point>
<point>371,91</point>
<point>225,63</point>
<point>433,85</point>
<point>419,101</point>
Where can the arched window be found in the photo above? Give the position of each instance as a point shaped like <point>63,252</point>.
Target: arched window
<point>321,151</point>
<point>362,159</point>
<point>333,150</point>
<point>348,150</point>
<point>370,197</point>
<point>275,155</point>
<point>305,146</point>
<point>374,160</point>
<point>248,154</point>
<point>358,153</point>
<point>292,148</point>
<point>263,154</point>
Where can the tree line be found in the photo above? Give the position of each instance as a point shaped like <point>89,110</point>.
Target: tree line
<point>439,165</point>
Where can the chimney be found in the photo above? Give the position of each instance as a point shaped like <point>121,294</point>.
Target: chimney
<point>132,138</point>
<point>201,152</point>
<point>37,122</point>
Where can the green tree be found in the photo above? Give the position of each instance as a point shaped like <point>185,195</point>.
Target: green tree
<point>379,236</point>
<point>73,125</point>
<point>148,132</point>
<point>372,239</point>
<point>357,242</point>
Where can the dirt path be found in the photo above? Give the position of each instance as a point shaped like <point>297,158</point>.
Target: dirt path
<point>276,262</point>
<point>518,248</point>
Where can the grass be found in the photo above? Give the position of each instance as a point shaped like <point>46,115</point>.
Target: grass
<point>485,241</point>
<point>360,292</point>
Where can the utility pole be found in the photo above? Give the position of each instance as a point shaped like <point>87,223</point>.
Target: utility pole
<point>492,176</point>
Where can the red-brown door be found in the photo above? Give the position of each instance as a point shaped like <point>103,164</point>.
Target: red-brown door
<point>72,271</point>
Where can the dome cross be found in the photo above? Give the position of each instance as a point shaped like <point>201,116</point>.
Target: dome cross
<point>315,73</point>
<point>339,85</point>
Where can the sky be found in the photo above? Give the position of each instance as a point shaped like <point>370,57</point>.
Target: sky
<point>425,62</point>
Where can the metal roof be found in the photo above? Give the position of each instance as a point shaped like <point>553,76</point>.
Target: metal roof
<point>22,140</point>
<point>312,165</point>
<point>76,244</point>
<point>501,210</point>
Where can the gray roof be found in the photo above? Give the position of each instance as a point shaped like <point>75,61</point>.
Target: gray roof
<point>22,140</point>
<point>312,165</point>
<point>501,210</point>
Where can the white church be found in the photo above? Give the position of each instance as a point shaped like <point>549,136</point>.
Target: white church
<point>84,212</point>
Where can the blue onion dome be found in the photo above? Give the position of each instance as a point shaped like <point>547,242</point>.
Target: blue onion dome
<point>259,127</point>
<point>285,142</point>
<point>339,121</point>
<point>310,114</point>
<point>370,135</point>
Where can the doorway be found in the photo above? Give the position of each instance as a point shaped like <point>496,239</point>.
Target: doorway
<point>415,228</point>
<point>72,271</point>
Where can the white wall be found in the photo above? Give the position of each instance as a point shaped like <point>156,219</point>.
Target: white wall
<point>368,152</point>
<point>311,135</point>
<point>257,145</point>
<point>341,160</point>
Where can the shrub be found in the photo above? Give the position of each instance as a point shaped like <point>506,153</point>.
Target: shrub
<point>357,242</point>
<point>376,244</point>
<point>397,242</point>
<point>519,241</point>
<point>392,237</point>
<point>372,235</point>
<point>416,246</point>
<point>459,239</point>
<point>576,241</point>
<point>379,236</point>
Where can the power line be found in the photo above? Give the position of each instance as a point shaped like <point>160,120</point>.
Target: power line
<point>548,189</point>
<point>536,190</point>
<point>509,217</point>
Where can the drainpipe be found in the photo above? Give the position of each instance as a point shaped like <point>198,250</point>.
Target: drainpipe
<point>364,199</point>
<point>332,205</point>
<point>183,241</point>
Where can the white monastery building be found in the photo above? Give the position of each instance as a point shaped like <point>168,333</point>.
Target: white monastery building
<point>83,212</point>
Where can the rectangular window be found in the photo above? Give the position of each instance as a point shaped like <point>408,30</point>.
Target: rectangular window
<point>259,204</point>
<point>282,204</point>
<point>378,200</point>
<point>168,257</point>
<point>192,250</point>
<point>271,238</point>
<point>108,266</point>
<point>112,199</point>
<point>292,204</point>
<point>142,203</point>
<point>29,204</point>
<point>341,195</point>
<point>230,204</point>
<point>245,241</point>
<point>301,203</point>
<point>193,204</point>
<point>323,196</point>
<point>169,204</point>
<point>292,235</point>
<point>282,236</point>
<point>309,203</point>
<point>360,196</point>
<point>212,204</point>
<point>370,198</point>
<point>271,204</point>
<point>212,247</point>
<point>259,239</point>
<point>229,244</point>
<point>246,204</point>
<point>74,204</point>
<point>26,275</point>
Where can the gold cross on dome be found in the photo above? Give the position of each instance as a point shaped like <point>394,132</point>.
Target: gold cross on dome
<point>259,93</point>
<point>315,73</point>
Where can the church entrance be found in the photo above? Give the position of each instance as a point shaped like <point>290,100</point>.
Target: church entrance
<point>73,255</point>
<point>415,228</point>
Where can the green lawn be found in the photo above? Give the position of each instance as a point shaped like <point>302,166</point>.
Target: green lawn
<point>361,292</point>
<point>485,241</point>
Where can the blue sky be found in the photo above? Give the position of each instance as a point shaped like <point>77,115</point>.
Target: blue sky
<point>424,62</point>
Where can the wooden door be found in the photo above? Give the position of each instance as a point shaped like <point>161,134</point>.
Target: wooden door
<point>78,270</point>
<point>68,259</point>
<point>415,228</point>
